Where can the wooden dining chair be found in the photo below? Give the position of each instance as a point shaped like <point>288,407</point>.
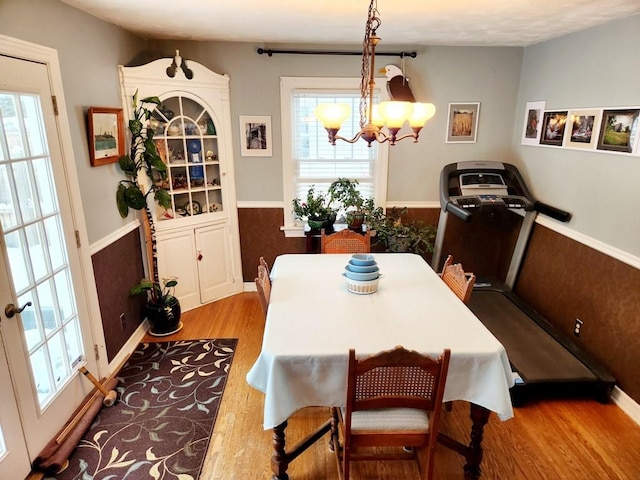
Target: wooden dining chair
<point>345,241</point>
<point>263,285</point>
<point>264,263</point>
<point>458,281</point>
<point>394,399</point>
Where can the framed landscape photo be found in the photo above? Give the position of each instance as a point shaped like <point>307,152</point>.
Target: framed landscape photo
<point>582,128</point>
<point>106,135</point>
<point>533,122</point>
<point>462,126</point>
<point>255,136</point>
<point>553,124</point>
<point>618,130</point>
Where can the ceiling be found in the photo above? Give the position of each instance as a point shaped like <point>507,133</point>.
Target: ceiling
<point>336,22</point>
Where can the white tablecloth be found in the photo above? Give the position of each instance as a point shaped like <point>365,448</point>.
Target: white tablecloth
<point>313,321</point>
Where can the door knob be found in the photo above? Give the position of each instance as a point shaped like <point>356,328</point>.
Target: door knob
<point>10,310</point>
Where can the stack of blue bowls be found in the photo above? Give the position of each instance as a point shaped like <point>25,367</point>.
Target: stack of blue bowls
<point>362,267</point>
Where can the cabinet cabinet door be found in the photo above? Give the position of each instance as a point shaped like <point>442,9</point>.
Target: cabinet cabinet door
<point>215,269</point>
<point>177,258</point>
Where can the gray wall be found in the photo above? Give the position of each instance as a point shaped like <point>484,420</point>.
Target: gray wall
<point>438,75</point>
<point>598,67</point>
<point>89,51</point>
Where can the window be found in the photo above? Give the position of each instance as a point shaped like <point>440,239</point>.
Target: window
<point>309,158</point>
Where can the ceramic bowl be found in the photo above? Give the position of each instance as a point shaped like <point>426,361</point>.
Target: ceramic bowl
<point>363,268</point>
<point>359,276</point>
<point>362,259</point>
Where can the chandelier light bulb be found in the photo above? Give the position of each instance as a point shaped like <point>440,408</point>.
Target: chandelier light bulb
<point>376,118</point>
<point>395,113</point>
<point>421,113</point>
<point>332,114</point>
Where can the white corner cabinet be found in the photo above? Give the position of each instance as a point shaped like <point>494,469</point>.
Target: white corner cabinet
<point>197,238</point>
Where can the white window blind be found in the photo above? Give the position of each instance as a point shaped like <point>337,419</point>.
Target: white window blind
<point>319,163</point>
<point>307,156</point>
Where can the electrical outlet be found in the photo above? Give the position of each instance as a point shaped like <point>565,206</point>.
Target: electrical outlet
<point>577,327</point>
<point>123,321</point>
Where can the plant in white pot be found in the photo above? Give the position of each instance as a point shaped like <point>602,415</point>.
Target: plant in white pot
<point>146,174</point>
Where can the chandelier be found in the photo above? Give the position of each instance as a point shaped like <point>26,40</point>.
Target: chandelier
<point>373,118</point>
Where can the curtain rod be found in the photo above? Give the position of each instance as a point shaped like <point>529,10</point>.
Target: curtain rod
<point>271,52</point>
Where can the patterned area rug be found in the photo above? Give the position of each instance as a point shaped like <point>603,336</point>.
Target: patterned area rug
<point>168,399</point>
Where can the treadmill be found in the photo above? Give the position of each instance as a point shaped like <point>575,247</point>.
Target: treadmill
<point>545,362</point>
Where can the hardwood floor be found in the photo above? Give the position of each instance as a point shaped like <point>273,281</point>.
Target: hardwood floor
<point>568,439</point>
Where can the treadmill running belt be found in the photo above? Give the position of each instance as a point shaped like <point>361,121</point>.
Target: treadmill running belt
<point>535,354</point>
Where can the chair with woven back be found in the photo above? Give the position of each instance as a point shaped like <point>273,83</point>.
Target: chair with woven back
<point>457,280</point>
<point>345,241</point>
<point>263,285</point>
<point>394,399</point>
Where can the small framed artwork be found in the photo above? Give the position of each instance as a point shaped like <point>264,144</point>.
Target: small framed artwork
<point>255,136</point>
<point>618,130</point>
<point>533,122</point>
<point>462,126</point>
<point>106,135</point>
<point>582,128</point>
<point>553,124</point>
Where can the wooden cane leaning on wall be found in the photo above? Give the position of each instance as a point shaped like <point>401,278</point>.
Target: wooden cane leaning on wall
<point>109,395</point>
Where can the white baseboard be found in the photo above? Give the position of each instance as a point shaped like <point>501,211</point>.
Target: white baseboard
<point>627,404</point>
<point>250,287</point>
<point>128,348</point>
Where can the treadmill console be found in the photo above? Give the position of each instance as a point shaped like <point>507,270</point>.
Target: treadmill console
<point>471,186</point>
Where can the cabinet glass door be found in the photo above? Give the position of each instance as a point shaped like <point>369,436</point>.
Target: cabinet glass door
<point>186,136</point>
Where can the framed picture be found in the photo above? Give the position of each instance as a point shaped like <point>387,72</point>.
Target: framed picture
<point>582,128</point>
<point>255,136</point>
<point>532,122</point>
<point>106,135</point>
<point>462,126</point>
<point>618,130</point>
<point>553,124</point>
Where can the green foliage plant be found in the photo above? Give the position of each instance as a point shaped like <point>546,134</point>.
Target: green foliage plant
<point>145,173</point>
<point>398,235</point>
<point>315,207</point>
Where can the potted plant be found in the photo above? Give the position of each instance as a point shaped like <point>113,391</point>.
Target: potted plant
<point>315,210</point>
<point>394,235</point>
<point>345,192</point>
<point>146,174</point>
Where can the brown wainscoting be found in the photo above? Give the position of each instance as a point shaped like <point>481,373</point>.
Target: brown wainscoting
<point>260,236</point>
<point>117,268</point>
<point>563,280</point>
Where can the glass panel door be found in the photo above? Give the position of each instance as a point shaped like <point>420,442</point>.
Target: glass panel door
<point>40,263</point>
<point>37,255</point>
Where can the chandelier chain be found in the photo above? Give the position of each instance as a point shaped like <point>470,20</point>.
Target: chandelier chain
<point>373,22</point>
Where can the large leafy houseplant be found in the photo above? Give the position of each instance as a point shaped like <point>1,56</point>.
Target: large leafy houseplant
<point>133,192</point>
<point>397,235</point>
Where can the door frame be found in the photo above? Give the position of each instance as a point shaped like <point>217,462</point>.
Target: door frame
<point>24,50</point>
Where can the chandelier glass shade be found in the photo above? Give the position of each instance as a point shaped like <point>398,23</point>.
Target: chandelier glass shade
<point>391,115</point>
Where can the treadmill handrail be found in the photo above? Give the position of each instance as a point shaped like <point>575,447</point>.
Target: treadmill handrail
<point>459,212</point>
<point>553,212</point>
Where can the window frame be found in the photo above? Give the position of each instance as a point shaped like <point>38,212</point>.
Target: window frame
<point>288,85</point>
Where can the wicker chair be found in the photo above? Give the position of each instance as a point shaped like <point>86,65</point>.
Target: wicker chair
<point>345,241</point>
<point>394,399</point>
<point>455,277</point>
<point>263,284</point>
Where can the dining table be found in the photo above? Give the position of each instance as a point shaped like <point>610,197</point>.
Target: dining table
<point>313,320</point>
